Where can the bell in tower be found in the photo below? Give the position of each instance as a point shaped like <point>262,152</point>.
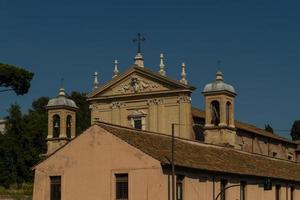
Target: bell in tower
<point>219,112</point>
<point>61,121</point>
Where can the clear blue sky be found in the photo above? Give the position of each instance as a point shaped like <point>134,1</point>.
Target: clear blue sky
<point>258,42</point>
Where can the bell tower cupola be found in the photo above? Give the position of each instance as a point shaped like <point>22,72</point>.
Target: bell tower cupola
<point>219,112</point>
<point>61,121</point>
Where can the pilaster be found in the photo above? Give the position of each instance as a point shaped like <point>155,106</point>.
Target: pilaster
<point>184,116</point>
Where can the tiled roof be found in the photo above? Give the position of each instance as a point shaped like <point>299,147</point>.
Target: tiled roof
<point>201,156</point>
<point>245,127</point>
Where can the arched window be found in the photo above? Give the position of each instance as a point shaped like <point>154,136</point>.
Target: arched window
<point>56,126</point>
<point>215,113</point>
<point>228,107</point>
<point>68,126</point>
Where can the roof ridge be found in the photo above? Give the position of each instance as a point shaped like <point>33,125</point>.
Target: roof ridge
<point>192,142</point>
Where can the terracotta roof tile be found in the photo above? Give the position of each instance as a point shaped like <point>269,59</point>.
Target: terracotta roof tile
<point>201,156</point>
<point>245,127</point>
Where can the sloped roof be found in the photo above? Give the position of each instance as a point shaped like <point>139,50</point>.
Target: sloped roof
<point>202,156</point>
<point>144,71</point>
<point>246,127</point>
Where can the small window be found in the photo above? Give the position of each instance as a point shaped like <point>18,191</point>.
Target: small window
<point>243,190</point>
<point>292,193</point>
<point>277,192</point>
<point>223,189</point>
<point>137,122</point>
<point>121,186</point>
<point>267,184</point>
<point>179,187</point>
<point>55,188</point>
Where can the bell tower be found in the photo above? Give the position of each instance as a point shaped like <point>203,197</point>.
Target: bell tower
<point>61,121</point>
<point>219,113</point>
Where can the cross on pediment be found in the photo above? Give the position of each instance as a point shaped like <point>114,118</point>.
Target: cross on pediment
<point>139,40</point>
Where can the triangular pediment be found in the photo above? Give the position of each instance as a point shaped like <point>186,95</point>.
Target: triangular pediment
<point>138,80</point>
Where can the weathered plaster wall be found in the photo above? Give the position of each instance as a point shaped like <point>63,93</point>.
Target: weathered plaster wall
<point>87,166</point>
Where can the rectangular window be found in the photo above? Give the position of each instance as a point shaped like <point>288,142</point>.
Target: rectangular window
<point>243,190</point>
<point>137,123</point>
<point>292,193</point>
<point>277,192</point>
<point>55,187</point>
<point>179,187</point>
<point>121,186</point>
<point>223,189</point>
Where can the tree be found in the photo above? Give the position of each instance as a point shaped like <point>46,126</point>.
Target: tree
<point>268,128</point>
<point>15,78</point>
<point>15,144</point>
<point>295,132</point>
<point>83,114</point>
<point>36,128</point>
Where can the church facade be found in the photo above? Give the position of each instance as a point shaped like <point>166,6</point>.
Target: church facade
<point>127,153</point>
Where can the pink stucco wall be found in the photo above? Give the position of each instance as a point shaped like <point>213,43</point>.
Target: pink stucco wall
<point>87,166</point>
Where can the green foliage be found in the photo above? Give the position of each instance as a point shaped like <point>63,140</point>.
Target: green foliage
<point>15,78</point>
<point>22,144</point>
<point>25,139</point>
<point>268,128</point>
<point>295,132</point>
<point>83,114</point>
<point>25,192</point>
<point>12,156</point>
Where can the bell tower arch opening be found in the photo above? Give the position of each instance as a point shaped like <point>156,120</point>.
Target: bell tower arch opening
<point>215,113</point>
<point>69,126</point>
<point>56,126</point>
<point>228,112</point>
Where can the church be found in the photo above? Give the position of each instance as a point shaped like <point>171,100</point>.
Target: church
<point>147,142</point>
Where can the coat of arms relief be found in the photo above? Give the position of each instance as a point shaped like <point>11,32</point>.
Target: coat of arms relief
<point>137,84</point>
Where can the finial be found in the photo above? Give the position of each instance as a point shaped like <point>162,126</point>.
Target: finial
<point>116,71</point>
<point>219,76</point>
<point>162,65</point>
<point>62,92</point>
<point>139,60</point>
<point>96,82</point>
<point>183,74</point>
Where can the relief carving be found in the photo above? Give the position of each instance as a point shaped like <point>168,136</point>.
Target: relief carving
<point>155,101</point>
<point>117,104</point>
<point>136,85</point>
<point>184,99</point>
